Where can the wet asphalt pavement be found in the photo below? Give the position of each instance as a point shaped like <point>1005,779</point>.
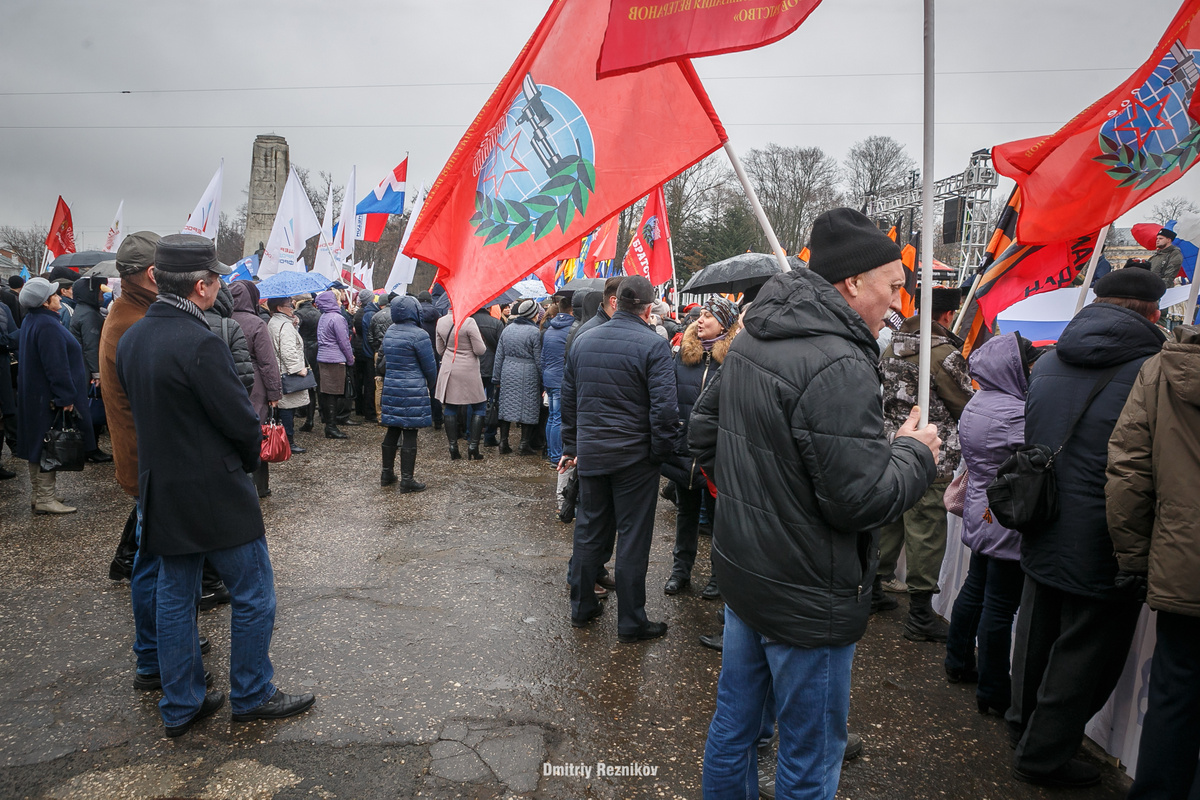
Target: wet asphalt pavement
<point>433,629</point>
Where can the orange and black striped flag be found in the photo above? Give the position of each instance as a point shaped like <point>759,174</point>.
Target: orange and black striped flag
<point>910,257</point>
<point>970,320</point>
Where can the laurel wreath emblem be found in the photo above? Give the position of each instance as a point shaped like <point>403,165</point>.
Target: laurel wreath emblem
<point>567,192</point>
<point>1139,169</point>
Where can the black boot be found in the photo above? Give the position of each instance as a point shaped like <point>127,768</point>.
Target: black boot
<point>331,430</point>
<point>213,591</point>
<point>505,447</point>
<point>309,411</point>
<point>408,463</point>
<point>880,600</point>
<point>451,423</point>
<point>121,567</point>
<point>474,434</point>
<point>525,448</point>
<point>923,624</point>
<point>262,480</point>
<point>388,476</point>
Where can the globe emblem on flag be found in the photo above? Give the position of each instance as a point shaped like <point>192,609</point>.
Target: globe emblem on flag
<point>1152,132</point>
<point>536,169</point>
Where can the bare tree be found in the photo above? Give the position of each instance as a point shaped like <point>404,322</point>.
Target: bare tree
<point>874,166</point>
<point>795,185</point>
<point>28,243</point>
<point>1170,208</point>
<point>231,236</point>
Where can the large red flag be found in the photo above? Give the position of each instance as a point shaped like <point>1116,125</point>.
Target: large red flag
<point>61,238</point>
<point>553,154</point>
<point>650,251</point>
<point>642,33</point>
<point>1136,140</point>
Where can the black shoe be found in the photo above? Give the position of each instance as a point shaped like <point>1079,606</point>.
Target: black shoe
<point>676,584</point>
<point>205,645</point>
<point>985,707</point>
<point>213,596</point>
<point>578,622</point>
<point>711,591</point>
<point>766,784</point>
<point>149,683</point>
<point>505,447</point>
<point>853,747</point>
<point>1074,774</point>
<point>98,456</point>
<point>212,701</point>
<point>922,623</point>
<point>387,477</point>
<point>490,441</point>
<point>409,486</point>
<point>669,492</point>
<point>306,427</point>
<point>349,423</point>
<point>714,640</point>
<point>332,432</point>
<point>297,449</point>
<point>607,581</point>
<point>279,706</point>
<point>954,675</point>
<point>5,474</point>
<point>651,630</point>
<point>705,529</point>
<point>881,600</point>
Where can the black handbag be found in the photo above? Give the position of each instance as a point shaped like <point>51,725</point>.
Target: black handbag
<point>62,446</point>
<point>491,415</point>
<point>298,383</point>
<point>1024,494</point>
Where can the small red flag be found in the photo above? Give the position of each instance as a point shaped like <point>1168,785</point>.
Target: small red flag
<point>642,33</point>
<point>61,239</point>
<point>373,227</point>
<point>650,251</point>
<point>602,248</point>
<point>1136,140</point>
<point>553,154</point>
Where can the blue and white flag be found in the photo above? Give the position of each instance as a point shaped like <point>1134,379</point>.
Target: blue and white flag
<point>243,270</point>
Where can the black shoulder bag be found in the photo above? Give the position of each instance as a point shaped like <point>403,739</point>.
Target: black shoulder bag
<point>1024,494</point>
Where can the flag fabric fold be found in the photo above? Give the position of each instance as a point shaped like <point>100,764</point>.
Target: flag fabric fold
<point>206,217</point>
<point>553,154</point>
<point>295,223</point>
<point>405,267</point>
<point>603,247</point>
<point>1136,140</point>
<point>649,253</point>
<point>643,33</point>
<point>116,231</point>
<point>61,239</point>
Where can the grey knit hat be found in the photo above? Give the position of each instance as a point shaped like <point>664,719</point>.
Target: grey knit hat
<point>527,309</point>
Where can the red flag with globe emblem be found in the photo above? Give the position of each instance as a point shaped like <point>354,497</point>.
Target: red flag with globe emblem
<point>553,154</point>
<point>1133,142</point>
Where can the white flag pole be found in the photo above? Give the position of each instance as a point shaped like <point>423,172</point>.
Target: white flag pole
<point>1091,269</point>
<point>757,206</point>
<point>926,226</point>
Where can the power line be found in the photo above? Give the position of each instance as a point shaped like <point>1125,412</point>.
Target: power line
<point>361,86</point>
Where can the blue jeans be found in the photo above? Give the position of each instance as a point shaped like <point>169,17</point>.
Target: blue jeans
<point>143,591</point>
<point>554,426</point>
<point>984,611</point>
<point>246,570</point>
<point>812,701</point>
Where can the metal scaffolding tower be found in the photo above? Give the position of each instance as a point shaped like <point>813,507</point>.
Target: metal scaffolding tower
<point>973,188</point>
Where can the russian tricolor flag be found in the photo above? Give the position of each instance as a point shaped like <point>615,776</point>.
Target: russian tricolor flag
<point>386,198</point>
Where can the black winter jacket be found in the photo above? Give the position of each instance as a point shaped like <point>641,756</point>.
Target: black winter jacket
<point>490,329</point>
<point>221,322</point>
<point>589,323</point>
<point>619,405</point>
<point>378,328</point>
<point>804,470</point>
<point>1075,554</point>
<point>87,321</point>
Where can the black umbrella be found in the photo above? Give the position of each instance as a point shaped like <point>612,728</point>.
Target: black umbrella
<point>509,297</point>
<point>82,260</point>
<point>738,274</point>
<point>596,284</point>
<point>105,269</point>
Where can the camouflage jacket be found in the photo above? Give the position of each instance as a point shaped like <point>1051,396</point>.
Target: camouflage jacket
<point>950,387</point>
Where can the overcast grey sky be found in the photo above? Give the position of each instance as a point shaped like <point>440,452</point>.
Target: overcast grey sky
<point>203,78</point>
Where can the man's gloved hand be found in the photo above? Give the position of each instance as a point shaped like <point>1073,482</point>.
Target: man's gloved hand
<point>1133,585</point>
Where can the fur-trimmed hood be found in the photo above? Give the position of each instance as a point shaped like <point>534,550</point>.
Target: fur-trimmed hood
<point>691,351</point>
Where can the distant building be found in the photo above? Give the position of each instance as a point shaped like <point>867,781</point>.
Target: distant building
<point>10,264</point>
<point>268,176</point>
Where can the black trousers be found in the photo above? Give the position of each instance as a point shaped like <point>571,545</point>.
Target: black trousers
<point>364,386</point>
<point>1170,746</point>
<point>1070,652</point>
<point>625,502</point>
<point>687,526</point>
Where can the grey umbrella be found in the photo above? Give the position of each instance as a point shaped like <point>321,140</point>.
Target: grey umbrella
<point>105,269</point>
<point>596,284</point>
<point>738,274</point>
<point>82,259</point>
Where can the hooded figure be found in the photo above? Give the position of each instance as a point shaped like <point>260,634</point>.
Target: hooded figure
<point>334,353</point>
<point>221,322</point>
<point>409,375</point>
<point>267,387</point>
<point>87,321</point>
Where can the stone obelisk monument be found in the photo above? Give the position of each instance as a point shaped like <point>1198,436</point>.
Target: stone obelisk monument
<point>268,176</point>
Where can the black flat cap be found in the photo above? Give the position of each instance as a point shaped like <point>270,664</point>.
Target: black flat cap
<point>186,252</point>
<point>1131,284</point>
<point>635,289</point>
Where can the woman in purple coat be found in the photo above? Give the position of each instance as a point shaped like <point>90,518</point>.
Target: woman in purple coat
<point>333,354</point>
<point>990,430</point>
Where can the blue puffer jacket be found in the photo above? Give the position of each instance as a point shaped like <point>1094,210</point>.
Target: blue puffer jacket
<point>410,369</point>
<point>619,405</point>
<point>554,349</point>
<point>1075,553</point>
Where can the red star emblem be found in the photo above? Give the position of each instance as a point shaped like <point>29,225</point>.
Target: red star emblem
<point>505,157</point>
<point>1142,119</point>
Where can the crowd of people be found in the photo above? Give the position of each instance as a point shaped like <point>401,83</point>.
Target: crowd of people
<point>785,427</point>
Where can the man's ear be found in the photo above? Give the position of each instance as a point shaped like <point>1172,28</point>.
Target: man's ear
<point>853,285</point>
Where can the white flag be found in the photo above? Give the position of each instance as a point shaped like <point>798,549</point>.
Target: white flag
<point>347,222</point>
<point>295,224</point>
<point>116,231</point>
<point>362,272</point>
<point>205,220</point>
<point>326,261</point>
<point>405,267</point>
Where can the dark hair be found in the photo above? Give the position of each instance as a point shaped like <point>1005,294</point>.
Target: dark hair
<point>631,305</point>
<point>15,281</point>
<point>1147,308</point>
<point>273,303</point>
<point>610,287</point>
<point>181,284</point>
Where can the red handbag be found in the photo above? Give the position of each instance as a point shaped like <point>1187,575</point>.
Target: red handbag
<point>275,446</point>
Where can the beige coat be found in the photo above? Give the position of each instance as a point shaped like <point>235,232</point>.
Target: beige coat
<point>459,382</point>
<point>289,351</point>
<point>1152,500</point>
